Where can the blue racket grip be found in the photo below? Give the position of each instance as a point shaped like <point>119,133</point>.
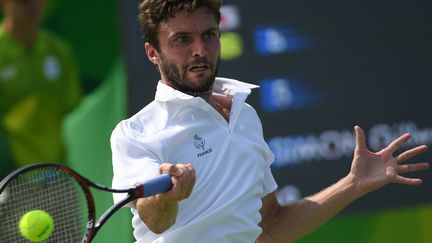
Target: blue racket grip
<point>157,185</point>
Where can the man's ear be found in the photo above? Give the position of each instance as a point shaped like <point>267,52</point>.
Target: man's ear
<point>151,52</point>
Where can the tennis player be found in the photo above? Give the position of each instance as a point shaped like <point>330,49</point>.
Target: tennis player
<point>200,130</point>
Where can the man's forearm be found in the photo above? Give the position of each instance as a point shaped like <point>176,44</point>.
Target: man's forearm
<point>296,220</point>
<point>157,213</point>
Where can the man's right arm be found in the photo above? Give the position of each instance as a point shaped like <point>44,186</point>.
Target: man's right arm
<point>159,212</point>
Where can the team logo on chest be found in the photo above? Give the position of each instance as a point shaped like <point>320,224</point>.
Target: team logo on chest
<point>199,143</point>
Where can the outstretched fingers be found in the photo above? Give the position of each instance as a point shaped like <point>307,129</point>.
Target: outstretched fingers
<point>397,143</point>
<point>360,138</point>
<point>411,153</point>
<point>408,181</point>
<point>406,168</point>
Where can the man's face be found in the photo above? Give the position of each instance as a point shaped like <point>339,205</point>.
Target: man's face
<point>189,51</point>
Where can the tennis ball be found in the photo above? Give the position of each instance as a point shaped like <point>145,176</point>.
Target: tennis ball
<point>36,225</point>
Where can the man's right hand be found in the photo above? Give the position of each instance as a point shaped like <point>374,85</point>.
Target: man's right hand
<point>159,212</point>
<point>183,179</point>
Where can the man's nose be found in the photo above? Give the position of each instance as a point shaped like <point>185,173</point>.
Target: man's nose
<point>199,48</point>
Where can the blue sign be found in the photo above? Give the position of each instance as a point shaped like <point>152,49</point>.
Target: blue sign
<point>276,40</point>
<point>280,94</point>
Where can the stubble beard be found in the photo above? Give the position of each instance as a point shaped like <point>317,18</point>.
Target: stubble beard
<point>177,78</point>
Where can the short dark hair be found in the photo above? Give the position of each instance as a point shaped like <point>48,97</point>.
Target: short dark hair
<point>153,12</point>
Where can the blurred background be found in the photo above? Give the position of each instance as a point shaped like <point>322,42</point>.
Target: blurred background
<point>323,67</point>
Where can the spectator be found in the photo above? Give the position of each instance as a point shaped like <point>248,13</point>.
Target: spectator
<point>39,85</point>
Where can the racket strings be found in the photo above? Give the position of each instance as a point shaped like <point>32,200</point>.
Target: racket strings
<point>54,191</point>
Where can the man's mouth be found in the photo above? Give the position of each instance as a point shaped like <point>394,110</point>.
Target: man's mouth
<point>199,68</point>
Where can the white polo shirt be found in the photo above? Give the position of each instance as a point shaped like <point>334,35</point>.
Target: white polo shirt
<point>231,159</point>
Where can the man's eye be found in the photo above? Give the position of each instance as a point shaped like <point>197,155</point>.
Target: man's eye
<point>209,35</point>
<point>182,39</point>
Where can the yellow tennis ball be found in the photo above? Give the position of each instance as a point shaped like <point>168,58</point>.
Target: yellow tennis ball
<point>36,225</point>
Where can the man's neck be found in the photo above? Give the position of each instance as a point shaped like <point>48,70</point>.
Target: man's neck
<point>22,31</point>
<point>180,87</point>
<point>220,103</point>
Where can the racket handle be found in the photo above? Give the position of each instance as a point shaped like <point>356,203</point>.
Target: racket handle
<point>157,185</point>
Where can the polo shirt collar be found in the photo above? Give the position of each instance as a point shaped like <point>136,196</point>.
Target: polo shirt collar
<point>225,86</point>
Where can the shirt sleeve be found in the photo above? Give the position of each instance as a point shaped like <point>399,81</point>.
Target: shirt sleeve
<point>269,183</point>
<point>132,161</point>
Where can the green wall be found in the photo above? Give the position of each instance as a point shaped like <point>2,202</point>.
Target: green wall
<point>92,29</point>
<point>87,133</point>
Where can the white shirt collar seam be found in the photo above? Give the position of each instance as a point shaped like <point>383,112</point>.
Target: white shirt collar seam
<point>240,87</point>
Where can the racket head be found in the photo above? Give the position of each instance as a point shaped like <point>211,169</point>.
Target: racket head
<point>54,188</point>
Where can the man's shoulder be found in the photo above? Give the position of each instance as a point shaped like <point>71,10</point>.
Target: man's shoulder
<point>50,41</point>
<point>46,40</point>
<point>7,46</point>
<point>153,118</point>
<point>48,35</point>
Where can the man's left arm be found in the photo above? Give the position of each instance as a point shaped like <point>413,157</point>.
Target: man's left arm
<point>369,171</point>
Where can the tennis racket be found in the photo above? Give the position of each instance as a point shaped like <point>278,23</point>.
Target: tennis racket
<point>66,196</point>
